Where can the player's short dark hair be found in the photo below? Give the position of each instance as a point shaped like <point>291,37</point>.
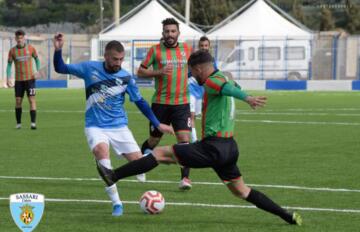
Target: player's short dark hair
<point>204,38</point>
<point>170,21</point>
<point>200,57</point>
<point>19,33</point>
<point>114,45</point>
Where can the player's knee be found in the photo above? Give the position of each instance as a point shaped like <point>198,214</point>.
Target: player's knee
<point>101,151</point>
<point>18,101</point>
<point>162,155</point>
<point>239,194</point>
<point>244,191</point>
<point>239,189</point>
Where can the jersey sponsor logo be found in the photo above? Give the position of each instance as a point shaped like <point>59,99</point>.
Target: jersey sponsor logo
<point>27,210</point>
<point>22,58</point>
<point>174,62</point>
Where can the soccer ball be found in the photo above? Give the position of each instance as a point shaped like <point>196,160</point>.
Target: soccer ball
<point>152,202</point>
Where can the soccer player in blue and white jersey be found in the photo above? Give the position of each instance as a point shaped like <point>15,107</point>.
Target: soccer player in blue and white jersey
<point>105,117</point>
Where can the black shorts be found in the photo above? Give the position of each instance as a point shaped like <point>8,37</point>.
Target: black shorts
<point>176,115</point>
<point>221,154</point>
<point>22,86</point>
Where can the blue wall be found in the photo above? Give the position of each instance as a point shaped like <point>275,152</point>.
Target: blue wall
<point>51,84</point>
<point>286,85</point>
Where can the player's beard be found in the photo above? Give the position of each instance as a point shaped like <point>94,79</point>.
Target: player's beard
<point>114,68</point>
<point>170,41</point>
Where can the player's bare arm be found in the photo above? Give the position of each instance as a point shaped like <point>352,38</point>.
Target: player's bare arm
<point>166,70</point>
<point>166,129</point>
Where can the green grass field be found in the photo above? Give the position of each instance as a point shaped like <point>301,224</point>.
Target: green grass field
<point>302,150</point>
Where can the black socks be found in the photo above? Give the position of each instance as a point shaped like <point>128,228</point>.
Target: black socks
<point>33,116</point>
<point>185,172</point>
<point>263,202</point>
<point>136,167</point>
<point>18,112</point>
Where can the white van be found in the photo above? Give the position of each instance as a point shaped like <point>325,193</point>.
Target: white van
<point>269,59</point>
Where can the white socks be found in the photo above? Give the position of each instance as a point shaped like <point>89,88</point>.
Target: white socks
<point>113,194</point>
<point>193,135</point>
<point>111,190</point>
<point>106,163</point>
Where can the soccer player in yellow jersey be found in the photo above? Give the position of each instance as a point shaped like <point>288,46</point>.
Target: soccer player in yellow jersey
<point>22,55</point>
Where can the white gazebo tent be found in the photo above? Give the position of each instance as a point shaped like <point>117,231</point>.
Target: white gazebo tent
<point>144,22</point>
<point>259,18</point>
<point>139,29</point>
<point>261,41</point>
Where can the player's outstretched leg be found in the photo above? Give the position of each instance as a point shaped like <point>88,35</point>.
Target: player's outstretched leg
<point>261,201</point>
<point>132,168</point>
<point>297,219</point>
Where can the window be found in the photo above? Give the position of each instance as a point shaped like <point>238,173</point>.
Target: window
<point>251,55</point>
<point>141,52</point>
<point>295,53</point>
<point>269,53</point>
<point>237,55</point>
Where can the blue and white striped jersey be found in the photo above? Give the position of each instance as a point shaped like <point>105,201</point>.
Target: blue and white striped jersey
<point>105,94</point>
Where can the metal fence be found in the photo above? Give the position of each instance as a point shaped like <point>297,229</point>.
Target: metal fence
<point>74,50</point>
<point>323,57</point>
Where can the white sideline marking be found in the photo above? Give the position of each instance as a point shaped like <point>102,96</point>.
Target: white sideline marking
<point>251,121</point>
<point>201,205</point>
<point>242,111</point>
<point>295,114</point>
<point>194,182</point>
<point>309,109</point>
<point>298,122</point>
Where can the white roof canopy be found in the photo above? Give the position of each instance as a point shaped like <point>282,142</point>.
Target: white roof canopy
<point>145,23</point>
<point>257,19</point>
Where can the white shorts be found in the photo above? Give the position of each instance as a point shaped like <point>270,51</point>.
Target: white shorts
<point>195,105</point>
<point>121,139</point>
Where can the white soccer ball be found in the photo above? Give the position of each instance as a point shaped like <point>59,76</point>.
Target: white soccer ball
<point>152,202</point>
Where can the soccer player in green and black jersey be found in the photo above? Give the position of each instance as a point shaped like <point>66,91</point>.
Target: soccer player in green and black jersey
<point>170,102</point>
<point>217,149</point>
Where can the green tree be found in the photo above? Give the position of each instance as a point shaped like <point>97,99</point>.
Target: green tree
<point>210,12</point>
<point>352,18</point>
<point>297,11</point>
<point>326,21</point>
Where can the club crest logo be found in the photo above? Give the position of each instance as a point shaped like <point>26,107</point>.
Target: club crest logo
<point>26,210</point>
<point>27,214</point>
